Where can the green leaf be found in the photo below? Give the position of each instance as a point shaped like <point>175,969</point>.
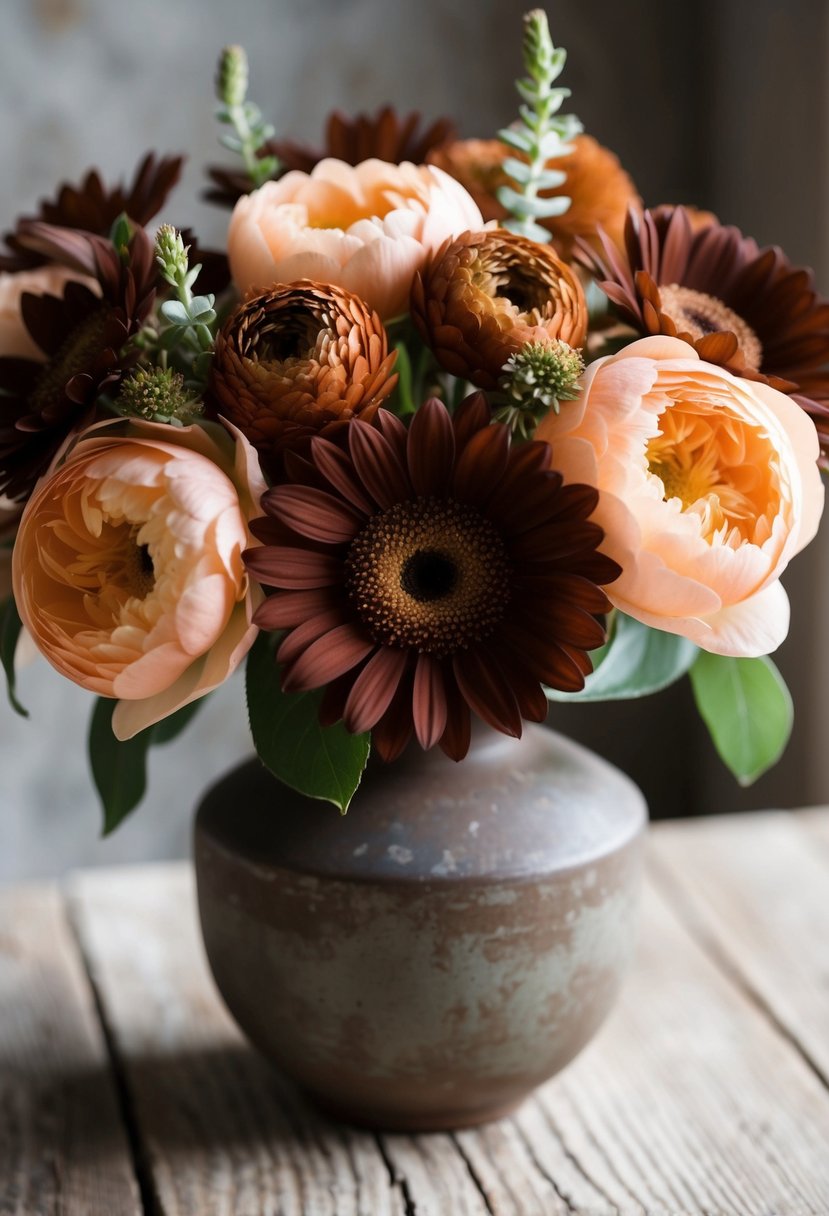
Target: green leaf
<point>10,629</point>
<point>748,711</point>
<point>638,662</point>
<point>323,762</point>
<point>119,768</point>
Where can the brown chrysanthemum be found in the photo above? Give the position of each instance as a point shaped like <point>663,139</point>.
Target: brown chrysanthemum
<point>385,135</point>
<point>599,188</point>
<point>485,295</point>
<point>427,573</point>
<point>742,307</point>
<point>291,361</point>
<point>93,207</point>
<point>82,337</point>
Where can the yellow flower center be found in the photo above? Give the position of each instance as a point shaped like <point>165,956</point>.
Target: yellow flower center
<point>698,314</point>
<point>719,467</point>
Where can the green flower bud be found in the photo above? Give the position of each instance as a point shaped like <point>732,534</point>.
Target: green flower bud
<point>171,254</point>
<point>158,394</point>
<point>232,76</point>
<point>535,380</point>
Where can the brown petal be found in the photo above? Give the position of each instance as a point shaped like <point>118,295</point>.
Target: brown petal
<point>313,513</point>
<point>292,569</point>
<point>488,692</point>
<point>287,609</point>
<point>335,465</point>
<point>374,689</point>
<point>458,733</point>
<point>481,464</point>
<point>429,708</point>
<point>330,656</point>
<point>299,639</point>
<point>431,449</point>
<point>377,465</point>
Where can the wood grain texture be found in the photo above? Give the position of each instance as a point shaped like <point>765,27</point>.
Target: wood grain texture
<point>691,1100</point>
<point>62,1145</point>
<point>220,1132</point>
<point>756,889</point>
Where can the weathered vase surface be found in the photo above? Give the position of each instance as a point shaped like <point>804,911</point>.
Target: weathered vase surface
<point>428,959</point>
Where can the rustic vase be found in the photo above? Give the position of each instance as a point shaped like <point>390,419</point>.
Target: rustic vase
<point>428,959</point>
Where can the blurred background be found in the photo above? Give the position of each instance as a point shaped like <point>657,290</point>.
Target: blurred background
<point>724,105</point>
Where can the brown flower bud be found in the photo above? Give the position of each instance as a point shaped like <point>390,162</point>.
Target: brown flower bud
<point>291,361</point>
<point>487,294</point>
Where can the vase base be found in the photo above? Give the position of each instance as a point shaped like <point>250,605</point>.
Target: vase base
<point>415,1121</point>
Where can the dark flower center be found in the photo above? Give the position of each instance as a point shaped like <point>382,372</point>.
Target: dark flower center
<point>697,313</point>
<point>76,355</point>
<point>430,575</point>
<point>286,334</point>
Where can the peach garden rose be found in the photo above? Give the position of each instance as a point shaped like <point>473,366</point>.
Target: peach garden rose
<point>708,487</point>
<point>43,280</point>
<point>128,565</point>
<point>367,228</point>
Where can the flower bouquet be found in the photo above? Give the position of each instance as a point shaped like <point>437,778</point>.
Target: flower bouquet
<point>453,429</point>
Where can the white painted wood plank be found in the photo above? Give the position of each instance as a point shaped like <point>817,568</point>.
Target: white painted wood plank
<point>63,1148</point>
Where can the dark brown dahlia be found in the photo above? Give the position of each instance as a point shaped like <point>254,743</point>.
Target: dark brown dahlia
<point>485,295</point>
<point>385,135</point>
<point>82,336</point>
<point>745,308</point>
<point>94,207</point>
<point>423,575</point>
<point>599,189</point>
<point>291,361</point>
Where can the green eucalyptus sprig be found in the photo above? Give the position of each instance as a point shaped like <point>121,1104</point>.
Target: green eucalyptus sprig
<point>540,134</point>
<point>250,131</point>
<point>189,318</point>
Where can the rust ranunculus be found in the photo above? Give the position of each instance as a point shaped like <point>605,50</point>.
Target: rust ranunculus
<point>744,308</point>
<point>81,335</point>
<point>599,188</point>
<point>427,573</point>
<point>291,361</point>
<point>487,294</point>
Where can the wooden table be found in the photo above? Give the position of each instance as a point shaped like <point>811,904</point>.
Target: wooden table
<point>125,1088</point>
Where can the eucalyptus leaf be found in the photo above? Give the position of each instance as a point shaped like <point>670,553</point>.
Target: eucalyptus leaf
<point>748,711</point>
<point>10,629</point>
<point>324,762</point>
<point>516,139</point>
<point>638,662</point>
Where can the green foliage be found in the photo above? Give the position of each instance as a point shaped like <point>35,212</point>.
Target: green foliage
<point>10,629</point>
<point>637,662</point>
<point>249,132</point>
<point>324,762</point>
<point>748,711</point>
<point>119,769</point>
<point>540,134</point>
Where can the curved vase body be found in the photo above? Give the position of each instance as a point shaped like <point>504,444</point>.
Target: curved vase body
<point>428,959</point>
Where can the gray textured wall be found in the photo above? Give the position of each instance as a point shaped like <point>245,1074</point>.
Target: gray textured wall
<point>724,105</point>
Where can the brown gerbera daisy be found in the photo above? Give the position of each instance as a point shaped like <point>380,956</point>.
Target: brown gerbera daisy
<point>485,295</point>
<point>94,207</point>
<point>82,336</point>
<point>291,361</point>
<point>599,188</point>
<point>385,135</point>
<point>745,308</point>
<point>427,573</point>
